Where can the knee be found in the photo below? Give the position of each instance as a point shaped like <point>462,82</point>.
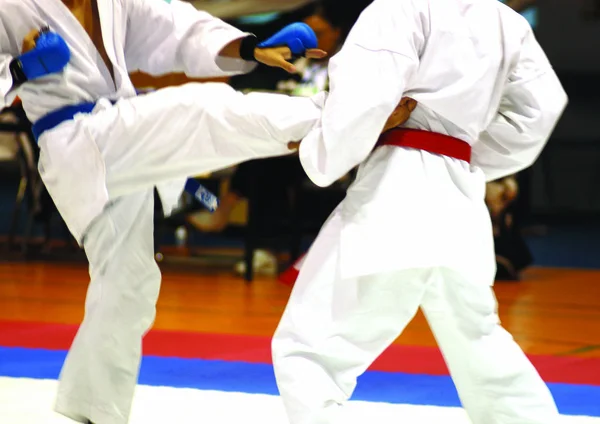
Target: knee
<point>477,326</point>
<point>134,294</point>
<point>149,290</point>
<point>475,311</point>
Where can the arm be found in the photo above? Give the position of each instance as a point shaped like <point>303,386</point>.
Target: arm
<point>367,80</point>
<point>43,53</point>
<point>532,104</point>
<point>176,37</point>
<point>6,82</point>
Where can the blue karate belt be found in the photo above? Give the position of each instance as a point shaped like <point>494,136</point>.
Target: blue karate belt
<point>67,113</point>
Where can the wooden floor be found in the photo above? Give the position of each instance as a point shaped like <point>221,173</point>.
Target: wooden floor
<point>552,311</point>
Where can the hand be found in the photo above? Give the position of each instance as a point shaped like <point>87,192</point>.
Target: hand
<point>278,57</point>
<point>30,41</point>
<point>398,117</point>
<point>44,53</point>
<point>401,114</point>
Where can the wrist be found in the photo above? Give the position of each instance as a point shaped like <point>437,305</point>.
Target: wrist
<point>248,47</point>
<point>17,73</point>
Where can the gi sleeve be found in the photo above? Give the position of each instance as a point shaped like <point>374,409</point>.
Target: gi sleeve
<point>6,82</point>
<point>165,37</point>
<point>532,103</point>
<point>367,80</point>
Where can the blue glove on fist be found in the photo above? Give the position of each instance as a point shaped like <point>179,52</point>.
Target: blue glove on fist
<point>50,55</point>
<point>299,37</point>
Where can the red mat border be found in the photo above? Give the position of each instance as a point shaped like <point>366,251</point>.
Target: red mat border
<point>230,347</point>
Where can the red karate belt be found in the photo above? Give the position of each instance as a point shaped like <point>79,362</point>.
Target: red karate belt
<point>428,141</point>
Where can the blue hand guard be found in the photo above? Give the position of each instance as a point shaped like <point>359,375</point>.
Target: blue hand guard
<point>299,37</point>
<point>50,55</point>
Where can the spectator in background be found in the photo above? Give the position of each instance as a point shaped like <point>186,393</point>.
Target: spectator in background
<point>512,253</point>
<point>331,20</point>
<point>522,6</point>
<point>332,25</point>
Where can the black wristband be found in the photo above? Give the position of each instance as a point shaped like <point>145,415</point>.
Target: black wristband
<point>16,72</point>
<point>247,47</point>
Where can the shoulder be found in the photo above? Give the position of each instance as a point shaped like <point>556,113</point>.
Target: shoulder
<point>17,16</point>
<point>8,7</point>
<point>387,24</point>
<point>512,20</point>
<point>397,9</point>
<point>404,15</point>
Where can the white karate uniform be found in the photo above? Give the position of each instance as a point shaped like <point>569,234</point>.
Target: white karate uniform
<point>413,230</point>
<point>101,168</point>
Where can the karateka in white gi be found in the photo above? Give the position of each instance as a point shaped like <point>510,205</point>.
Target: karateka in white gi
<point>103,150</point>
<point>413,230</point>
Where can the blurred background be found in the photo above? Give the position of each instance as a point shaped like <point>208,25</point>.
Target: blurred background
<point>222,293</point>
<point>548,215</point>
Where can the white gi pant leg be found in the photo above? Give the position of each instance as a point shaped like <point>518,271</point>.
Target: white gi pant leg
<point>332,330</point>
<point>496,382</point>
<point>100,373</point>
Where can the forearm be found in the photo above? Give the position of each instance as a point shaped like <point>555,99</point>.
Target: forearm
<point>222,58</point>
<point>241,48</point>
<point>232,50</point>
<point>355,112</point>
<point>516,137</point>
<point>181,39</point>
<point>345,137</point>
<point>6,82</point>
<point>497,162</point>
<point>212,48</point>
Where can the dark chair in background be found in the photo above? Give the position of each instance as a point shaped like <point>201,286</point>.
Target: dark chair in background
<point>308,207</point>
